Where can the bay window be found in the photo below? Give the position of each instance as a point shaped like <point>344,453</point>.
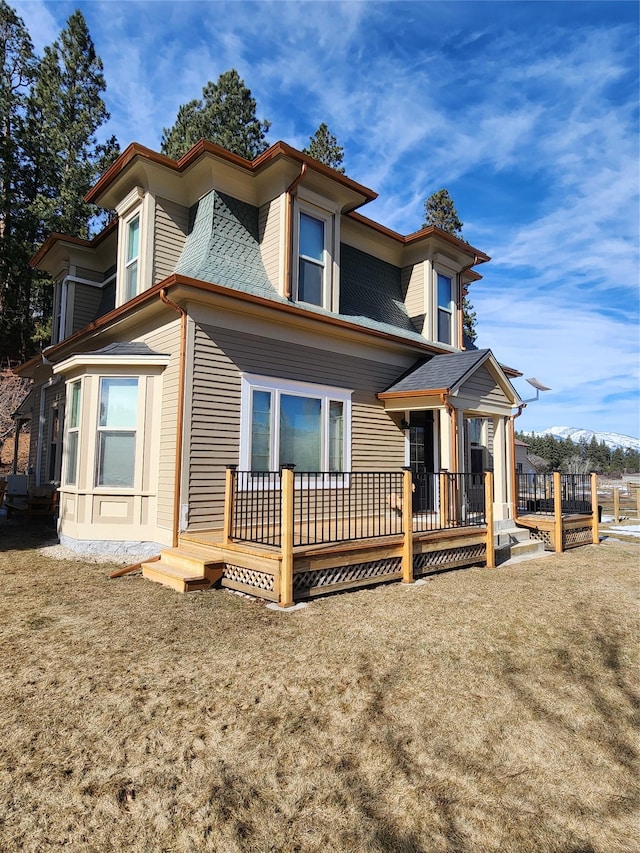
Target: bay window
<point>73,430</point>
<point>294,423</point>
<point>117,421</point>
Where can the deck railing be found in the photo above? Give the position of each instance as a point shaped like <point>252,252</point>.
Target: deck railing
<point>329,507</point>
<point>536,493</point>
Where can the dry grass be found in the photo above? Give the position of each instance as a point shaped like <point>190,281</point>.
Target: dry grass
<point>482,711</point>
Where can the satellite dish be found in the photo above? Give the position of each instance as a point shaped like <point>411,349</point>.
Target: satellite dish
<point>537,384</point>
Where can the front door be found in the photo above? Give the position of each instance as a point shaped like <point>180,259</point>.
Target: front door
<point>421,460</point>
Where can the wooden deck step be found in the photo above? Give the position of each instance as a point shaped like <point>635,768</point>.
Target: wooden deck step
<point>183,570</point>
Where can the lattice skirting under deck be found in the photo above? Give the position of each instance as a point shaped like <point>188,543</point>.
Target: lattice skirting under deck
<point>248,577</point>
<point>542,536</point>
<point>465,555</point>
<point>575,536</point>
<point>303,582</point>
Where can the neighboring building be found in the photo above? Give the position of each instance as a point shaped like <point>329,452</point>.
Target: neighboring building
<point>523,463</point>
<point>245,313</point>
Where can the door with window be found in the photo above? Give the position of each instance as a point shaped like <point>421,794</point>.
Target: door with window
<point>421,460</point>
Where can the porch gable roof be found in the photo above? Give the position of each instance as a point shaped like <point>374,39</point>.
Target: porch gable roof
<point>441,373</point>
<point>447,373</point>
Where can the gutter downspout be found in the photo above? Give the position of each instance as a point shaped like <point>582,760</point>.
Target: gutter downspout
<point>454,430</point>
<point>288,231</point>
<point>514,484</point>
<point>180,421</point>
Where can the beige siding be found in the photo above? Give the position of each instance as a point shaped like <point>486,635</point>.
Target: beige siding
<point>221,356</point>
<point>270,237</point>
<point>412,282</point>
<point>167,340</point>
<point>86,301</point>
<point>484,388</point>
<point>172,221</point>
<point>89,274</point>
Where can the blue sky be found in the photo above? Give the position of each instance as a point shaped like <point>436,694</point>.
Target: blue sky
<point>526,111</point>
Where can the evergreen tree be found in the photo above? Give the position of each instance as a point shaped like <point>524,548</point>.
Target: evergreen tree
<point>323,147</point>
<point>226,115</point>
<point>17,70</point>
<point>439,210</point>
<point>66,109</point>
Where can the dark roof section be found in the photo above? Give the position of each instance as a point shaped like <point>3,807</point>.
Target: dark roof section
<point>439,373</point>
<point>127,348</point>
<point>371,288</point>
<point>223,246</point>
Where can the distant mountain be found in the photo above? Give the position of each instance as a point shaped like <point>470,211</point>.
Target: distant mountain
<point>613,440</point>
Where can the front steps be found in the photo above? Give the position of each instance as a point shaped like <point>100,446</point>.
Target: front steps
<point>514,544</point>
<point>183,570</point>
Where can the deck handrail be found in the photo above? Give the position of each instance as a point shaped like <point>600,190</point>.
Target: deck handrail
<point>536,494</point>
<point>329,507</point>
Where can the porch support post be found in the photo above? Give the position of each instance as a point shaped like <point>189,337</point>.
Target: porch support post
<point>286,566</point>
<point>500,467</point>
<point>557,510</point>
<point>488,503</point>
<point>444,499</point>
<point>407,526</point>
<point>595,538</point>
<point>227,529</point>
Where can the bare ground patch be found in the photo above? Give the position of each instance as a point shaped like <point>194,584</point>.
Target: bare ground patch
<point>487,710</point>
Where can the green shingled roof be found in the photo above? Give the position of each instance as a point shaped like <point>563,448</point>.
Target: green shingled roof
<point>223,248</point>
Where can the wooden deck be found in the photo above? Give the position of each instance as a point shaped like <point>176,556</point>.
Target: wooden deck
<point>561,532</point>
<point>319,569</point>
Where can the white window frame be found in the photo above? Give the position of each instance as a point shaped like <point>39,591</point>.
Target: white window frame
<point>135,430</point>
<point>134,259</point>
<point>69,429</point>
<point>451,311</point>
<point>328,219</point>
<point>277,387</point>
<point>138,203</point>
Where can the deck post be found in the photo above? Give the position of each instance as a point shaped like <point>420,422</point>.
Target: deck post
<point>286,566</point>
<point>444,498</point>
<point>488,509</point>
<point>595,539</point>
<point>557,510</point>
<point>407,526</point>
<point>227,528</point>
<point>616,505</point>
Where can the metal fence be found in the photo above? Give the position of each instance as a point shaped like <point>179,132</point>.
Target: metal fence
<point>536,494</point>
<point>338,507</point>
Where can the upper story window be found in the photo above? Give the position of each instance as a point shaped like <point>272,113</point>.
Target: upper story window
<point>315,265</point>
<point>131,263</point>
<point>135,244</point>
<point>446,309</point>
<point>311,260</point>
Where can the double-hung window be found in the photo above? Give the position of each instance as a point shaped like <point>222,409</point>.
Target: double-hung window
<point>294,423</point>
<point>311,260</point>
<point>446,309</point>
<point>117,426</point>
<point>131,258</point>
<point>73,432</point>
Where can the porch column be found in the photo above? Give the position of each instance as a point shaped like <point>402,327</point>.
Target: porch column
<point>446,445</point>
<point>500,469</point>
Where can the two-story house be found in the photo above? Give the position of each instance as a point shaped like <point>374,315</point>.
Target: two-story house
<point>245,313</point>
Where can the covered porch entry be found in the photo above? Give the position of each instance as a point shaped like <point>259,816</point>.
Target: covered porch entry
<point>456,410</point>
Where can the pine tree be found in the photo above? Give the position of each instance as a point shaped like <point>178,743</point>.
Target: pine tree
<point>439,210</point>
<point>17,70</point>
<point>226,115</point>
<point>323,147</point>
<point>66,109</point>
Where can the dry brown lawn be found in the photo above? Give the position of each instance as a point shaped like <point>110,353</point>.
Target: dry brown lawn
<point>486,710</point>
